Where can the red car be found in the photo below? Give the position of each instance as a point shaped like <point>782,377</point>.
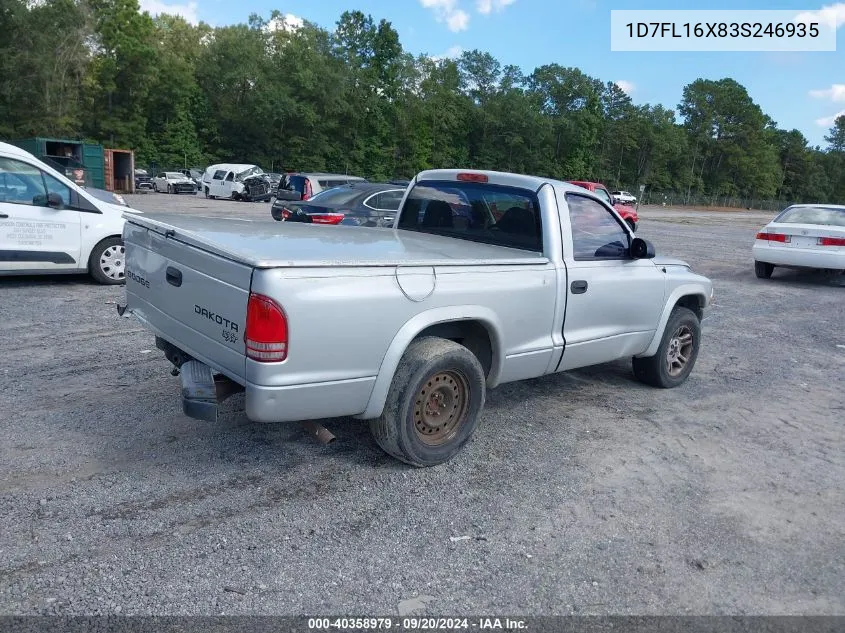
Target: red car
<point>629,214</point>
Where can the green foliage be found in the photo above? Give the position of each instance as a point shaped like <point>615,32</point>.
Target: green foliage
<point>352,100</point>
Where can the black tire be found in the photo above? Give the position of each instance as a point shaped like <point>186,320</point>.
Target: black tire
<point>631,225</point>
<point>405,429</point>
<point>115,274</point>
<point>655,370</point>
<point>763,270</point>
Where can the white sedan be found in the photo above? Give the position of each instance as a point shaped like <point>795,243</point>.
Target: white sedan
<point>802,236</point>
<point>174,182</point>
<point>623,197</point>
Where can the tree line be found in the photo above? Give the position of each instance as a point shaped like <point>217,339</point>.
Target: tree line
<point>352,100</point>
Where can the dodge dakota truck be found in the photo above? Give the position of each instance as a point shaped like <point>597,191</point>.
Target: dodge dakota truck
<point>408,326</point>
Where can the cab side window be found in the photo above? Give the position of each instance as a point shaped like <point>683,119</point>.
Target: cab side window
<point>54,186</point>
<point>602,193</point>
<point>230,176</point>
<point>21,183</point>
<point>596,233</point>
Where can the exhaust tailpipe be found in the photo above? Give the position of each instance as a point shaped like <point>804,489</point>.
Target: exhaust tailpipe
<point>315,429</point>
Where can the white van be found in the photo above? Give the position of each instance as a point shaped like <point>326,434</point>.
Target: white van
<point>50,225</point>
<point>236,181</point>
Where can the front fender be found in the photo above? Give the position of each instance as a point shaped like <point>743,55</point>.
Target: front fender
<point>409,332</point>
<point>696,289</point>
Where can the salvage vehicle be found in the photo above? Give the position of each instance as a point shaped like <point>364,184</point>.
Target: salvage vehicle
<point>174,182</point>
<point>304,186</point>
<point>628,213</point>
<point>355,204</point>
<point>236,181</point>
<point>409,326</point>
<point>143,181</point>
<point>623,197</point>
<point>802,236</point>
<point>49,224</point>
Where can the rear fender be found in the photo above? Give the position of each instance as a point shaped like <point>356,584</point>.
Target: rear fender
<point>412,328</point>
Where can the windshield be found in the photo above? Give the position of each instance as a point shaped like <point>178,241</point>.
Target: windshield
<point>828,216</point>
<point>506,216</point>
<point>171,175</point>
<point>336,196</point>
<point>252,171</point>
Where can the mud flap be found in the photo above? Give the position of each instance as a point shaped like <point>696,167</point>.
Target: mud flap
<point>199,392</point>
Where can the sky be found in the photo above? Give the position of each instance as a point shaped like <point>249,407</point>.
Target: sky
<point>799,90</point>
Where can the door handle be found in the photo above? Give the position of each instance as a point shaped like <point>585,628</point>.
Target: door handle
<point>173,276</point>
<point>578,287</point>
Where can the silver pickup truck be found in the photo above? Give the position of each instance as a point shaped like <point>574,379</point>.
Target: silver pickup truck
<point>485,278</point>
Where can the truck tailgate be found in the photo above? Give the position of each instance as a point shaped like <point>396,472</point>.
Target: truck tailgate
<point>194,299</point>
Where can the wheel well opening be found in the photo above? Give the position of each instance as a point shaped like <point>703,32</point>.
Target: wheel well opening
<point>692,302</point>
<point>471,334</point>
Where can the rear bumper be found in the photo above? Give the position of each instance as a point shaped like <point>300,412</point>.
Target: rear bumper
<point>800,257</point>
<point>202,393</point>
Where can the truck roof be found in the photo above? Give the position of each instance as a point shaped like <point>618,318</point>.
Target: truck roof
<point>499,178</point>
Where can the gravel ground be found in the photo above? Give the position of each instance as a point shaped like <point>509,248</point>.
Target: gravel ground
<point>582,493</point>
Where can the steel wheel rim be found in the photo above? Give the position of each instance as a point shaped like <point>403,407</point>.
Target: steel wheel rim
<point>440,407</point>
<point>113,262</point>
<point>679,351</point>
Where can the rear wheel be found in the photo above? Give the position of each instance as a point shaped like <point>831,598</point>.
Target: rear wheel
<point>676,355</point>
<point>763,270</point>
<point>107,262</point>
<point>433,405</point>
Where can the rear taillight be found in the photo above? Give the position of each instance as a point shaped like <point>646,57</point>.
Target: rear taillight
<point>773,237</point>
<point>266,335</point>
<point>326,218</point>
<point>832,241</point>
<point>307,192</point>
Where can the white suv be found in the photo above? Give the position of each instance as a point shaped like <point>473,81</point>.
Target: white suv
<point>50,225</point>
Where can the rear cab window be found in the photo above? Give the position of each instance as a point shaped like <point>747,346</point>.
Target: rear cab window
<point>480,212</point>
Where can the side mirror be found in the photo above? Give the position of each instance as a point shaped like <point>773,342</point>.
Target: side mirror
<point>54,200</point>
<point>642,249</point>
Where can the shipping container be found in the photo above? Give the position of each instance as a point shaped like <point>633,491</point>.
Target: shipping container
<point>81,162</point>
<point>120,170</point>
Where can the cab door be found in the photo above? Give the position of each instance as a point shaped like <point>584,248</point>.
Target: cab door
<point>38,231</point>
<point>216,186</point>
<point>613,301</point>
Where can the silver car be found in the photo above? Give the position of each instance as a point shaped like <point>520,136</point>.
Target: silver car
<point>802,236</point>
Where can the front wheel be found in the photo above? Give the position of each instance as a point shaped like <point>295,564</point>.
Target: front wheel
<point>763,270</point>
<point>433,404</point>
<point>677,353</point>
<point>107,262</point>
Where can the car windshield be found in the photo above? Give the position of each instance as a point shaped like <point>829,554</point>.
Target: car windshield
<point>173,174</point>
<point>827,216</point>
<point>252,171</point>
<point>336,196</point>
<point>506,216</point>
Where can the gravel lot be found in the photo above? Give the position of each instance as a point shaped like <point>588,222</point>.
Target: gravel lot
<point>582,493</point>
